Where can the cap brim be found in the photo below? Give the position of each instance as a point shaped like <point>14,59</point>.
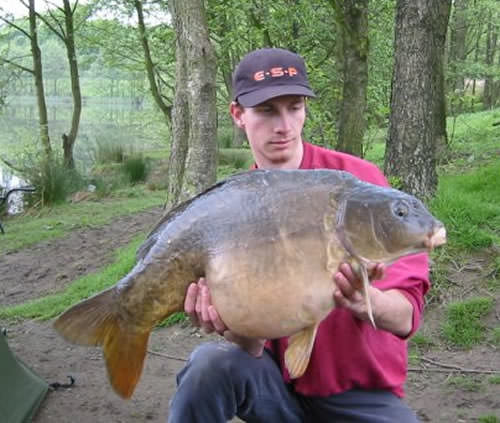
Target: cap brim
<point>260,96</point>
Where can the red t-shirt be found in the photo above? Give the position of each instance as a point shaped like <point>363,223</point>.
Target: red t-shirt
<point>349,353</point>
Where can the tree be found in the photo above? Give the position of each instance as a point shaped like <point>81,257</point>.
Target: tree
<point>418,120</point>
<point>36,72</point>
<point>66,32</point>
<point>489,95</point>
<point>458,51</point>
<point>165,108</point>
<point>193,153</point>
<point>353,22</point>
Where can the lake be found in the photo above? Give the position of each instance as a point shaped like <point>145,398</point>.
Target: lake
<point>137,126</point>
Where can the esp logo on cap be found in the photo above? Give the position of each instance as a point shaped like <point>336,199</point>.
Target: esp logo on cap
<point>275,72</point>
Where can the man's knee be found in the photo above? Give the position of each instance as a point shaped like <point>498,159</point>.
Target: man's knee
<point>217,362</point>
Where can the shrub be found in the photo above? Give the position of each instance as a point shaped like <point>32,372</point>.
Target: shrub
<point>135,168</point>
<point>109,151</point>
<point>53,182</point>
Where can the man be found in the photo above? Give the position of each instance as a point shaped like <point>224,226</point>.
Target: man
<point>356,372</point>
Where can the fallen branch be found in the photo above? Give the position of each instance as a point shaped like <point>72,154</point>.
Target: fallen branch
<point>450,367</point>
<point>460,370</point>
<point>171,357</point>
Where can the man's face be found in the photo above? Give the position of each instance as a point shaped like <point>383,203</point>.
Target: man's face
<point>274,129</point>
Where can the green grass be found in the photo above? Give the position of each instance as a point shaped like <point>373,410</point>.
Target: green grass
<point>489,419</point>
<point>494,380</point>
<point>496,336</point>
<point>421,341</point>
<point>463,326</point>
<point>466,383</point>
<point>84,287</point>
<point>56,222</point>
<point>469,206</point>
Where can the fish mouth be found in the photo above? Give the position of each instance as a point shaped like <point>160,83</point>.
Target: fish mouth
<point>437,238</point>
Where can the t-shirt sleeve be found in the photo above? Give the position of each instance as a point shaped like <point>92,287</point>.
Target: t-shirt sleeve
<point>410,276</point>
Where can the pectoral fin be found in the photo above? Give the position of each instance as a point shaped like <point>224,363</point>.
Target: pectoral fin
<point>299,350</point>
<point>366,283</point>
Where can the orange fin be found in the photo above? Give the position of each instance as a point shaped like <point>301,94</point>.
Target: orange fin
<point>96,322</point>
<point>299,350</point>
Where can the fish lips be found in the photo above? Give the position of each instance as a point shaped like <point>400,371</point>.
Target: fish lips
<point>437,237</point>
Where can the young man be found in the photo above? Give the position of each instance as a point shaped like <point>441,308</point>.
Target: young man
<point>356,372</point>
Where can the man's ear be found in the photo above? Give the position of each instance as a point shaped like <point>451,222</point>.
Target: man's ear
<point>236,111</point>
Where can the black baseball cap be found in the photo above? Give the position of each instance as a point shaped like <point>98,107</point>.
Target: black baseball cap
<point>267,73</point>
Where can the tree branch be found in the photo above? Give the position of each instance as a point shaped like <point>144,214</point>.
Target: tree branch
<point>17,65</point>
<point>13,25</point>
<point>451,367</point>
<point>61,34</point>
<point>171,357</point>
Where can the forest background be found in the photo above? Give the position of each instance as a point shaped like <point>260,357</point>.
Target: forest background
<point>112,108</point>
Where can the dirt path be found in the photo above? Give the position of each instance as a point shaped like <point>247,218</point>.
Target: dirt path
<point>50,266</point>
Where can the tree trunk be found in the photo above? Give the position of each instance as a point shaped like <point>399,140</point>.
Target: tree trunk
<point>418,120</point>
<point>38,75</point>
<point>150,71</point>
<point>69,41</point>
<point>355,43</point>
<point>458,53</point>
<point>194,148</point>
<point>491,46</point>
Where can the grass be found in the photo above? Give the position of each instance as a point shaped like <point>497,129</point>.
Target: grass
<point>489,419</point>
<point>84,287</point>
<point>496,336</point>
<point>463,326</point>
<point>469,205</point>
<point>466,383</point>
<point>51,223</point>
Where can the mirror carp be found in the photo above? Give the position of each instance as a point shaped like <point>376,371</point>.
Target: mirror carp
<point>267,242</point>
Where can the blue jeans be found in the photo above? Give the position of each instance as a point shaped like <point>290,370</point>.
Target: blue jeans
<point>221,381</point>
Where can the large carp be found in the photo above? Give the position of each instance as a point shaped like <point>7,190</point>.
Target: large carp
<point>267,241</point>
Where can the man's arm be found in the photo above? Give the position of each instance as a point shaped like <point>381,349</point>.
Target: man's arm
<point>392,311</point>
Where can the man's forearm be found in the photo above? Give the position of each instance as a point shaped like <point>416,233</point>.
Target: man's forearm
<point>392,311</point>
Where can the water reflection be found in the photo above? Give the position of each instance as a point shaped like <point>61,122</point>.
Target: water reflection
<point>131,123</point>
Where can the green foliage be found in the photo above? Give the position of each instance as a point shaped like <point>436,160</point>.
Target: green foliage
<point>489,419</point>
<point>109,151</point>
<point>225,137</point>
<point>494,380</point>
<point>466,383</point>
<point>53,182</point>
<point>173,319</point>
<point>469,206</point>
<point>84,287</point>
<point>496,336</point>
<point>135,168</point>
<point>421,341</point>
<point>238,158</point>
<point>463,325</point>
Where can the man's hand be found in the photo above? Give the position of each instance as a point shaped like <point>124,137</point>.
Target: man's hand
<point>392,311</point>
<point>198,306</point>
<point>349,292</point>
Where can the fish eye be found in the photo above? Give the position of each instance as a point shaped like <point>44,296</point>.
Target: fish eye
<point>401,209</point>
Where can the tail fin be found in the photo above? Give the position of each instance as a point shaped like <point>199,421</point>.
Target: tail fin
<point>96,322</point>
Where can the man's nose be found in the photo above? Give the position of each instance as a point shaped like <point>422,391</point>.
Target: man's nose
<point>283,123</point>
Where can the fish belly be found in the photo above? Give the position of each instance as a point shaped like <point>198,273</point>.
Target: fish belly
<point>273,289</point>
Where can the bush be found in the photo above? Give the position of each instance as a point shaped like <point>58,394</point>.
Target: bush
<point>53,182</point>
<point>238,158</point>
<point>135,168</point>
<point>109,151</point>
